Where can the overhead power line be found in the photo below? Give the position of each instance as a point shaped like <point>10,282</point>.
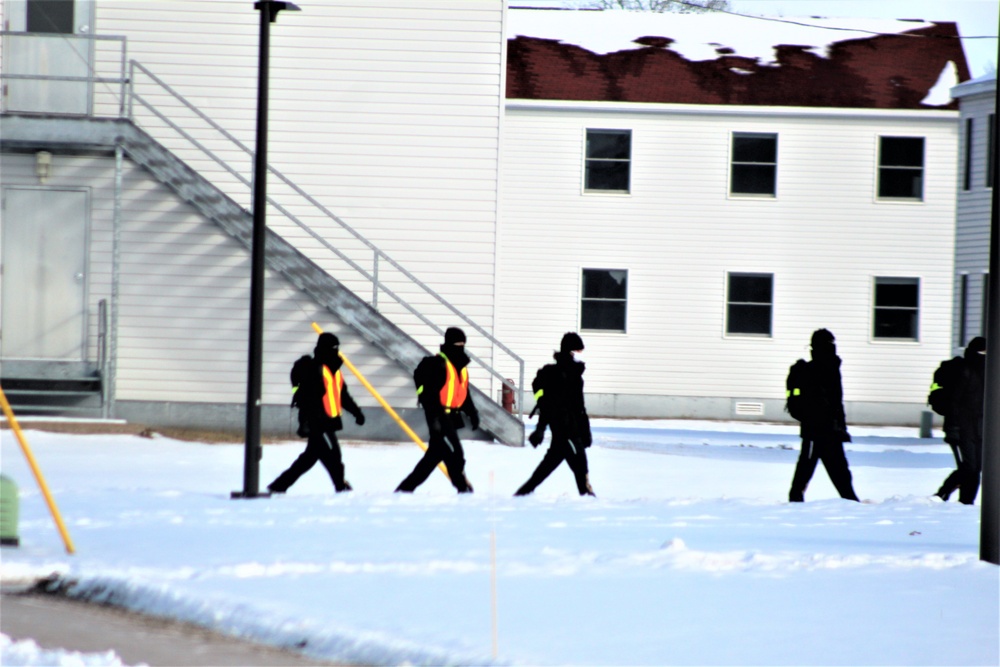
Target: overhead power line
<point>826,27</point>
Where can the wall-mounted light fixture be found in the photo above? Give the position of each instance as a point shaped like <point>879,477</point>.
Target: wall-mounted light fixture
<point>43,166</point>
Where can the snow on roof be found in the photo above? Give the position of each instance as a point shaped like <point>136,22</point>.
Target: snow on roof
<point>726,59</point>
<point>940,94</point>
<point>695,36</point>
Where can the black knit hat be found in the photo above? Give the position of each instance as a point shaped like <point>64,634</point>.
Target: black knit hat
<point>327,341</point>
<point>571,342</point>
<point>822,338</point>
<point>453,335</point>
<point>977,344</point>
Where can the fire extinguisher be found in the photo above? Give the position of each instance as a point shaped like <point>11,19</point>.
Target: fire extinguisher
<point>507,396</point>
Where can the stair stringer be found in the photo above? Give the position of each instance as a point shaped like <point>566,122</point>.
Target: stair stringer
<point>39,131</point>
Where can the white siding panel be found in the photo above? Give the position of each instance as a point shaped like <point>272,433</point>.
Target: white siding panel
<point>973,217</point>
<point>824,237</point>
<point>185,295</point>
<point>388,115</point>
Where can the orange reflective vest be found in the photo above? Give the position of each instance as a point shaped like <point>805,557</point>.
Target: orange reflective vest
<point>333,384</point>
<point>456,387</point>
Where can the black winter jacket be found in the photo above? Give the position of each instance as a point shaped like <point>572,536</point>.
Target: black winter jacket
<point>561,405</point>
<point>826,417</point>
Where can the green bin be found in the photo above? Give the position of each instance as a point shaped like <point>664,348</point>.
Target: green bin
<point>8,512</point>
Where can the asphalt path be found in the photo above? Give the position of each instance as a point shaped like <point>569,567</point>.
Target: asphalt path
<point>56,623</point>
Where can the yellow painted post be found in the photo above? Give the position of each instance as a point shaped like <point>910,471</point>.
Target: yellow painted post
<point>388,408</point>
<point>12,420</point>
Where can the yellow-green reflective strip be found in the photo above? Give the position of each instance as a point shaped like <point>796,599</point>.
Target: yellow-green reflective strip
<point>295,389</point>
<point>420,390</point>
<point>538,394</point>
<point>793,392</point>
<point>935,386</point>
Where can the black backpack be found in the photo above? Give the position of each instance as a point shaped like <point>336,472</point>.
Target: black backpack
<point>946,378</point>
<point>797,395</point>
<point>302,377</point>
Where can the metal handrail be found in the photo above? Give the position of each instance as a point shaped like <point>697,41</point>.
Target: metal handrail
<point>121,80</point>
<point>378,254</point>
<point>102,355</point>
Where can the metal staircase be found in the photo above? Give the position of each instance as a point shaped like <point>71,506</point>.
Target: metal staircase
<point>54,132</point>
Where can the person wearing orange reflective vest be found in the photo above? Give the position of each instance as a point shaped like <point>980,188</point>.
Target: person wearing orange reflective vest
<point>442,383</point>
<point>322,397</point>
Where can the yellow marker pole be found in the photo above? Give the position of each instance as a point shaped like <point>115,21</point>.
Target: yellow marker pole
<point>38,473</point>
<point>388,408</point>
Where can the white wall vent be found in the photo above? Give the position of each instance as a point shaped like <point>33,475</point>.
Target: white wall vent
<point>749,409</point>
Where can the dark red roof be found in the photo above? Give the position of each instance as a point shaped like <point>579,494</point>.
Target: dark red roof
<point>878,72</point>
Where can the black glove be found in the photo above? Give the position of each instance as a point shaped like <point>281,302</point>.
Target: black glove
<point>474,420</point>
<point>536,438</point>
<point>360,418</point>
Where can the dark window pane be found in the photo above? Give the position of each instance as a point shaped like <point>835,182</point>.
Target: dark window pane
<point>602,284</point>
<point>896,293</point>
<point>744,319</point>
<point>603,315</point>
<point>902,152</point>
<point>897,303</point>
<point>906,183</point>
<point>607,175</point>
<point>749,288</point>
<point>990,148</point>
<point>753,179</point>
<point>967,162</point>
<point>755,148</point>
<point>610,145</point>
<point>895,323</point>
<point>50,16</point>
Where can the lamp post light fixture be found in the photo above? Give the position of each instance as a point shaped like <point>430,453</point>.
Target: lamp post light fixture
<point>251,460</point>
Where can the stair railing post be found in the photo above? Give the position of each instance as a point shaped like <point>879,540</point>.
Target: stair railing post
<point>375,281</point>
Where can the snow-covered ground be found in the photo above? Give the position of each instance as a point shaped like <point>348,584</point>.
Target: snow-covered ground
<point>689,555</point>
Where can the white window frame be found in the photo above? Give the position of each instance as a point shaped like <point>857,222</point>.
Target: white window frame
<point>873,308</point>
<point>586,161</point>
<point>879,166</point>
<point>732,163</point>
<point>582,298</point>
<point>725,318</point>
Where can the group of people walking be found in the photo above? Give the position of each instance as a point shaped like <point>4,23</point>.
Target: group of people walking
<point>442,384</point>
<point>815,398</point>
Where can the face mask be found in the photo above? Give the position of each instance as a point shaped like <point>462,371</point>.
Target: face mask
<point>578,356</point>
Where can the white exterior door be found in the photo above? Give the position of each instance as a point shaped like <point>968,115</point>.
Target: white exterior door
<point>44,245</point>
<point>55,43</point>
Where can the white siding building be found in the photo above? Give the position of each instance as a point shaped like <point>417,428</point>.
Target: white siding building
<point>695,239</point>
<point>977,131</point>
<point>697,246</point>
<point>386,118</point>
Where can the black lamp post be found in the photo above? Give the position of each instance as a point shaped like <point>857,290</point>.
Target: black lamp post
<point>251,460</point>
<point>989,525</point>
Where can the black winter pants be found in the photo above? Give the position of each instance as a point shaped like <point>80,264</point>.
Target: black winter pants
<point>968,459</point>
<point>322,446</point>
<point>442,445</point>
<point>831,452</point>
<point>561,449</point>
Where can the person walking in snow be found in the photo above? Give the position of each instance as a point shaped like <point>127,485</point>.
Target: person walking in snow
<point>559,395</point>
<point>816,399</point>
<point>442,382</point>
<point>322,396</point>
<point>963,423</point>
